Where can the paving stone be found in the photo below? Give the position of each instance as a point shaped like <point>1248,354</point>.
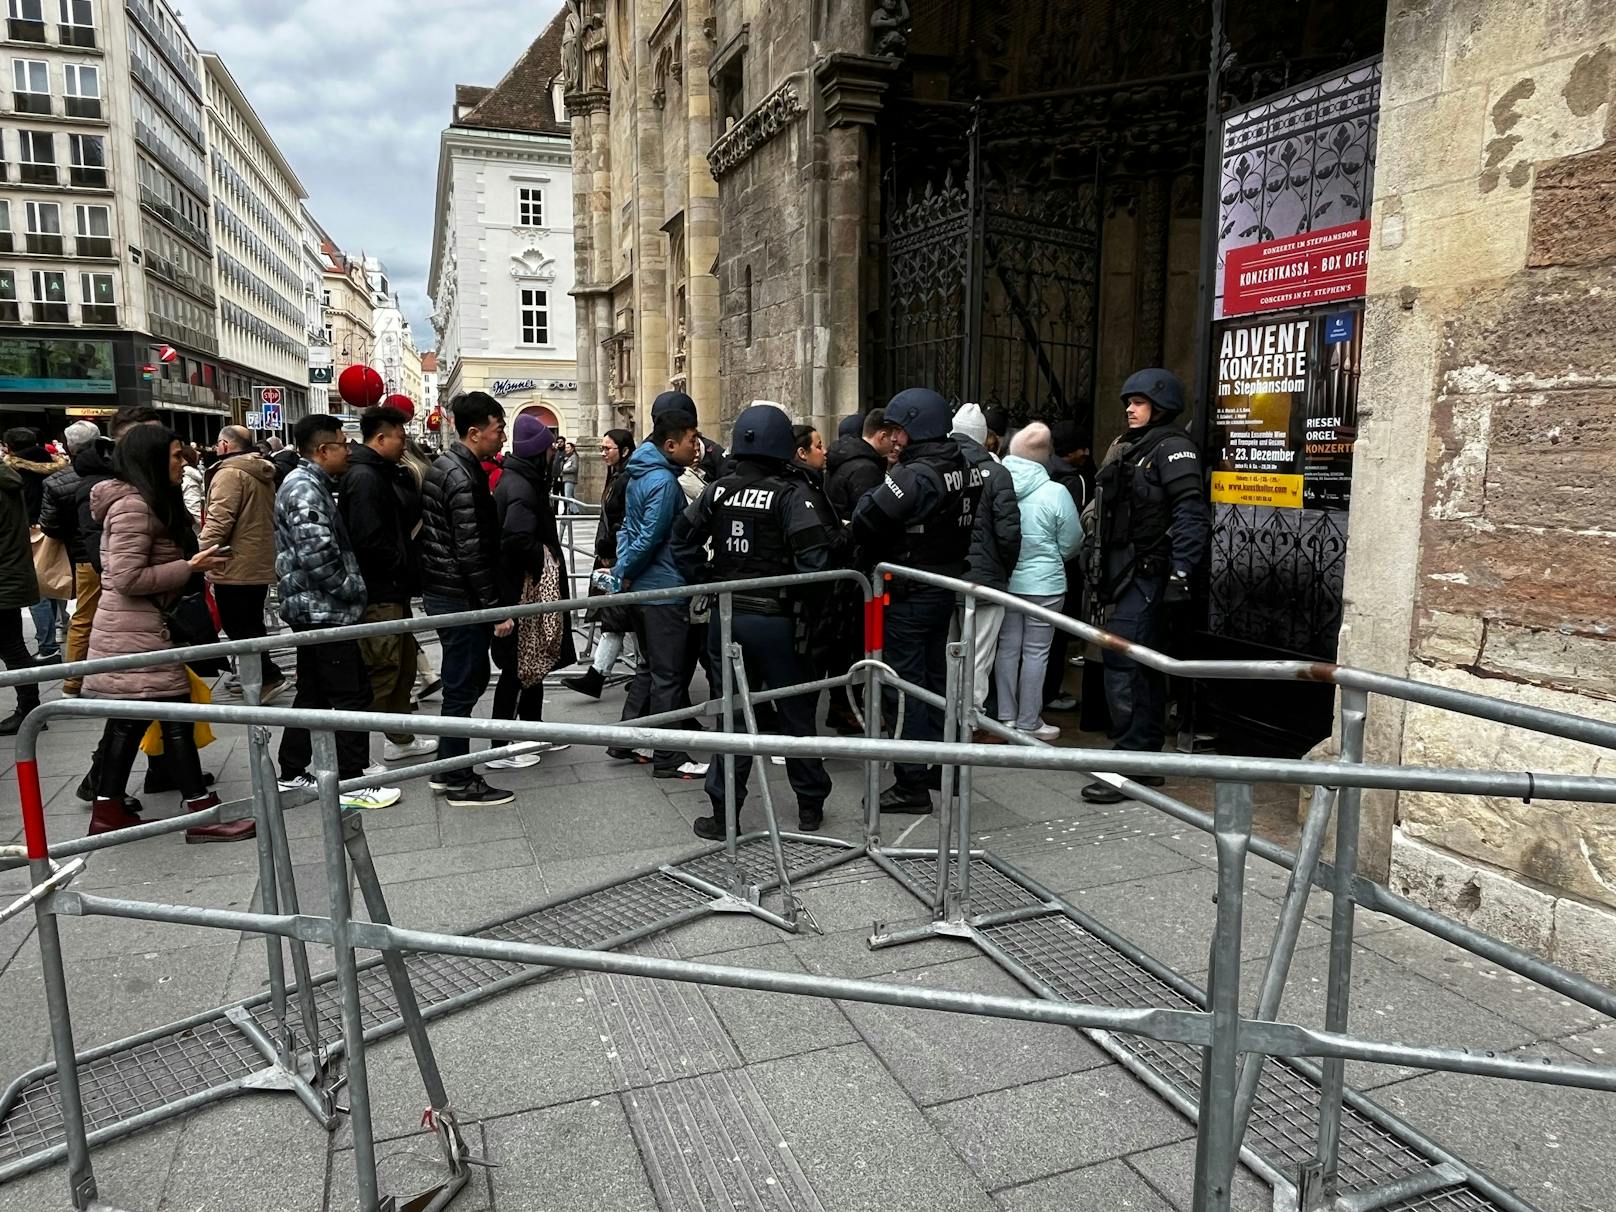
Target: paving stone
<point>847,954</point>
<point>402,868</point>
<point>1110,1185</point>
<point>859,1140</point>
<point>1172,917</point>
<point>858,906</point>
<point>550,1051</point>
<point>1597,1046</point>
<point>406,1168</point>
<point>458,902</point>
<point>719,935</point>
<point>288,1173</point>
<point>580,1157</point>
<point>92,937</point>
<point>579,828</point>
<point>1044,1128</point>
<point>1475,979</point>
<point>938,1056</point>
<point>130,1173</point>
<point>1065,867</point>
<point>1390,1003</point>
<point>766,1026</point>
<point>1551,1144</point>
<point>1170,1170</point>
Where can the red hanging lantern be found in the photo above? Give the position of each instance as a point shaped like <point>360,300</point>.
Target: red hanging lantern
<point>360,387</point>
<point>401,402</point>
<point>434,420</point>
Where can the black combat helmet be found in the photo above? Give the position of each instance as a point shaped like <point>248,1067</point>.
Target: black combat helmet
<point>762,431</point>
<point>1160,387</point>
<point>921,413</point>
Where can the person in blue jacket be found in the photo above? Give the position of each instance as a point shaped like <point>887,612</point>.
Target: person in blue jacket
<point>666,641</point>
<point>1050,536</point>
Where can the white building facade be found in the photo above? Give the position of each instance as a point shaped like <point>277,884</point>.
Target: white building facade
<point>257,230</point>
<point>502,260</point>
<point>310,263</point>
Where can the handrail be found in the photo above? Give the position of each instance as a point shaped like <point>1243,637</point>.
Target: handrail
<point>420,622</point>
<point>1465,702</point>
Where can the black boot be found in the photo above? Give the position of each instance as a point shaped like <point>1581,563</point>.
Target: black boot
<point>810,817</point>
<point>711,828</point>
<point>159,779</point>
<point>908,801</point>
<point>589,683</point>
<point>27,700</point>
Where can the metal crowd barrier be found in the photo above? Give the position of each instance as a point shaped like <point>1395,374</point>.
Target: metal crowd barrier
<point>735,877</point>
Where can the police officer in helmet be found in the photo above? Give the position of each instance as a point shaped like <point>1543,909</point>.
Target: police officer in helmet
<point>921,515</point>
<point>761,520</point>
<point>1151,518</point>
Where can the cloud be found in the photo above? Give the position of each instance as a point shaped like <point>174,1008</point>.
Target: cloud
<point>356,96</point>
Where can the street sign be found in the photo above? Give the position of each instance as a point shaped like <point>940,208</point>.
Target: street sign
<point>255,420</point>
<point>272,416</point>
<point>167,353</point>
<point>269,395</point>
<point>268,399</point>
<point>320,368</point>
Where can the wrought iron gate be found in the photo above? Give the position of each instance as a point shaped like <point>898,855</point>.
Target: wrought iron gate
<point>991,268</point>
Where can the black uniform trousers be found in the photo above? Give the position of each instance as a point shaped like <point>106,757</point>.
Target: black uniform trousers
<point>669,647</point>
<point>769,654</point>
<point>1137,695</point>
<point>915,644</point>
<point>330,677</point>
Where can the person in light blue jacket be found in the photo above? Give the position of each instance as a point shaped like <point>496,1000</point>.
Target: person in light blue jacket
<point>1050,535</point>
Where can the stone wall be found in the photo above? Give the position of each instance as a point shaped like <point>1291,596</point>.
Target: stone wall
<point>1483,550</point>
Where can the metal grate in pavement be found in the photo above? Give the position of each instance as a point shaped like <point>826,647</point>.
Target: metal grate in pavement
<point>1284,1118</point>
<point>990,891</point>
<point>757,862</point>
<point>710,1142</point>
<point>149,1076</point>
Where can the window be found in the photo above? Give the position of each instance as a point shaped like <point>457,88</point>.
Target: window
<point>45,228</point>
<point>83,90</point>
<point>78,26</point>
<point>27,20</point>
<point>97,302</point>
<point>37,152</point>
<point>30,83</point>
<point>328,334</point>
<point>5,226</point>
<point>95,231</point>
<point>50,297</point>
<point>10,312</point>
<point>529,207</point>
<point>535,317</point>
<point>89,161</point>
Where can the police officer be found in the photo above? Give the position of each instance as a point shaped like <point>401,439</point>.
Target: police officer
<point>922,515</point>
<point>1151,519</point>
<point>762,520</point>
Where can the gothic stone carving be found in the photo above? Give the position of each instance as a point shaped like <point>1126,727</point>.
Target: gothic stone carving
<point>773,114</point>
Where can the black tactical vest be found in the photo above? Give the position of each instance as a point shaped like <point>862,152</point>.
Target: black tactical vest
<point>941,541</point>
<point>1137,511</point>
<point>749,532</point>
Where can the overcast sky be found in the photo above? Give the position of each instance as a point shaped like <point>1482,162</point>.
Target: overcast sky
<point>356,95</point>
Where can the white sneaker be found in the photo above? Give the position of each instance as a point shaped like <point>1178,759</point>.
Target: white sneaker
<point>1044,732</point>
<point>419,747</point>
<point>372,797</point>
<point>375,768</point>
<point>299,782</point>
<point>521,761</point>
<point>776,760</point>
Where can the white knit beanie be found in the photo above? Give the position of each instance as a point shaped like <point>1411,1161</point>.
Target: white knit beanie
<point>970,423</point>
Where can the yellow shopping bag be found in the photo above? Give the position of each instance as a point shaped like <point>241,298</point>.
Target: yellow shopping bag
<point>152,743</point>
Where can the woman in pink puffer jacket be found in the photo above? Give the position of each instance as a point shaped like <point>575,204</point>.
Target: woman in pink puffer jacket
<point>148,560</point>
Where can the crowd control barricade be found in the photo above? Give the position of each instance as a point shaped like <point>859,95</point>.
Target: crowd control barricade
<point>291,1038</point>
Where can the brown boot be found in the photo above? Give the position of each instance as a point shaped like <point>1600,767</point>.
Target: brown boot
<point>110,814</point>
<point>228,831</point>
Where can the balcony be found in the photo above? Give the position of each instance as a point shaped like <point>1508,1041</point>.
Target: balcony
<point>184,334</point>
<point>174,219</point>
<point>38,174</point>
<point>25,31</point>
<point>83,107</point>
<point>93,246</point>
<point>147,138</point>
<point>149,26</point>
<point>10,311</point>
<point>50,313</point>
<point>88,178</point>
<point>76,35</point>
<point>31,103</point>
<point>99,313</point>
<point>44,244</point>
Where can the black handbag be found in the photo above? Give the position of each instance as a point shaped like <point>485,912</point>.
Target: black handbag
<point>189,623</point>
<point>611,618</point>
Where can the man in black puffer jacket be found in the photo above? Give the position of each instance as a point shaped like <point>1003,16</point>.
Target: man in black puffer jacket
<point>459,561</point>
<point>856,462</point>
<point>996,541</point>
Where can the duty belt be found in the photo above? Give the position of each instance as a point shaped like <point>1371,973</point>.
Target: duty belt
<point>748,603</point>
